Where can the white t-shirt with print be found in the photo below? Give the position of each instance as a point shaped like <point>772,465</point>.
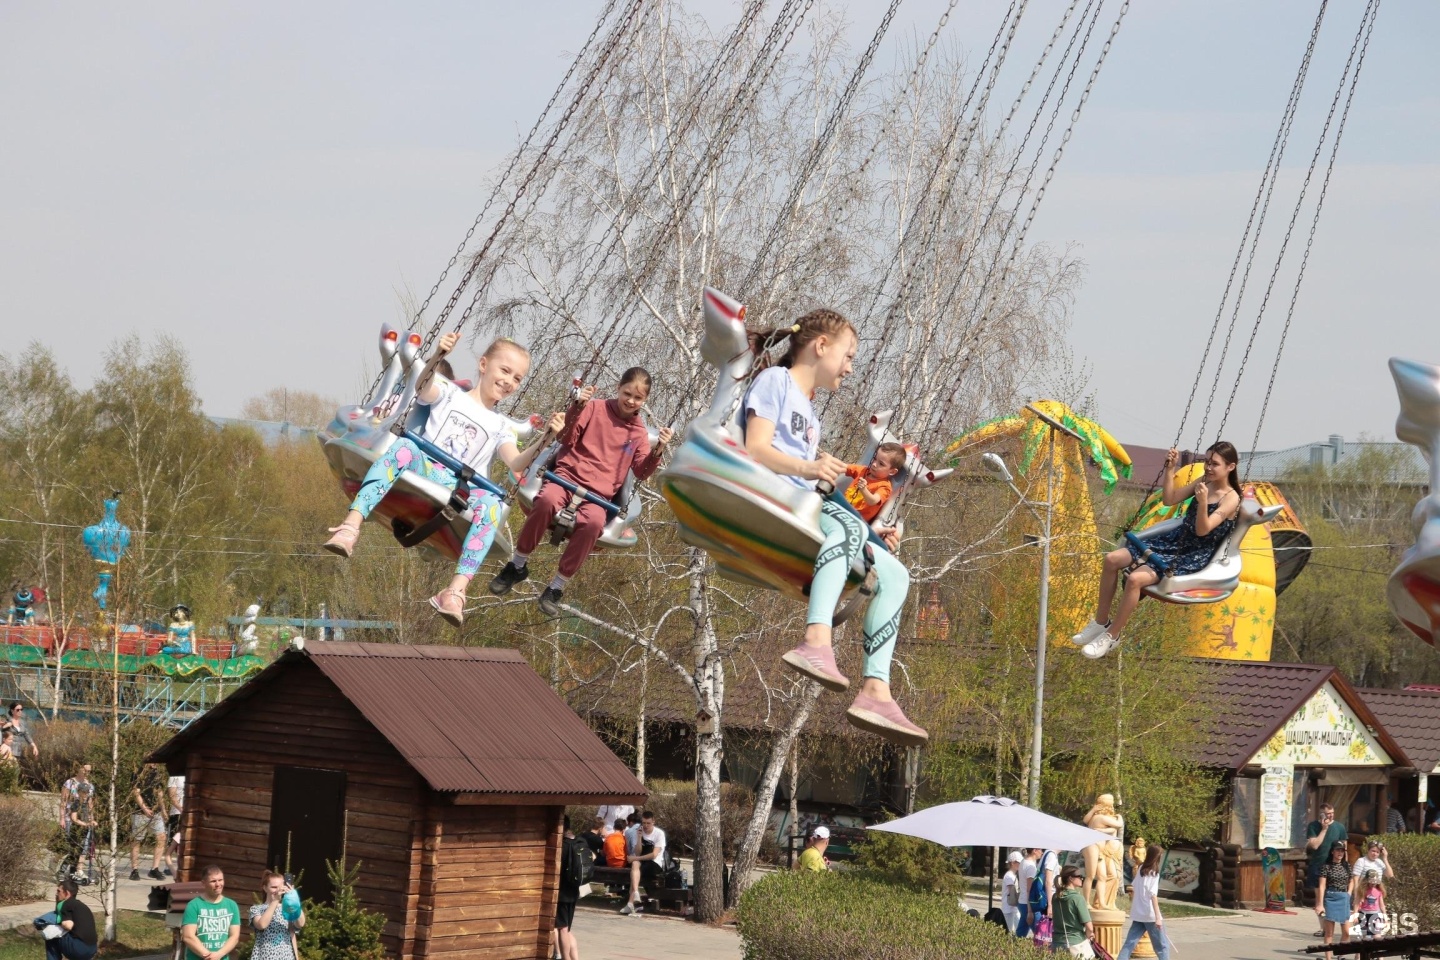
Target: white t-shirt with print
<point>774,396</point>
<point>461,427</point>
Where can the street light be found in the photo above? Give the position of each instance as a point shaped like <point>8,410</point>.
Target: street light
<point>996,466</point>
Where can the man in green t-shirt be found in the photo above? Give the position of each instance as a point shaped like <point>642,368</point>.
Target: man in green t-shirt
<point>812,858</point>
<point>211,926</point>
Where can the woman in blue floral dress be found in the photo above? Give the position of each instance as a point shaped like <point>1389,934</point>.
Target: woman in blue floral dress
<point>1214,505</point>
<point>274,929</point>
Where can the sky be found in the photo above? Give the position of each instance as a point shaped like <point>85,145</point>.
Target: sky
<point>265,180</point>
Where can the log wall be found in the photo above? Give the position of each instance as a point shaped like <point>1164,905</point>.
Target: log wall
<point>302,719</point>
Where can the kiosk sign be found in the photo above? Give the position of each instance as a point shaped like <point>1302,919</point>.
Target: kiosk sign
<point>1325,732</point>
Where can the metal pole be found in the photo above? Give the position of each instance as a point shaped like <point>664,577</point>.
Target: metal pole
<point>1037,732</point>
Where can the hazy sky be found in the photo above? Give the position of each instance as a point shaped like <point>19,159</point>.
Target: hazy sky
<point>261,179</point>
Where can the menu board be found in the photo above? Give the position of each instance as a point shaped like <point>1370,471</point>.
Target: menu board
<point>1276,785</point>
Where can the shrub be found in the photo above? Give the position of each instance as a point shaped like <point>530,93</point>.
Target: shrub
<point>910,862</point>
<point>341,929</point>
<point>1416,886</point>
<point>22,835</point>
<point>64,745</point>
<point>9,779</point>
<point>829,916</point>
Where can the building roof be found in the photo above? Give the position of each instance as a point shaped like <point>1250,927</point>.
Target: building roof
<point>1409,465</point>
<point>467,719</point>
<point>1413,718</point>
<point>1254,700</point>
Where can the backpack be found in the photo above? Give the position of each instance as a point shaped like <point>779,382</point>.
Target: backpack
<point>1039,900</point>
<point>577,863</point>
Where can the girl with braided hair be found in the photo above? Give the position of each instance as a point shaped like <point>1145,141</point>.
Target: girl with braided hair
<point>782,434</point>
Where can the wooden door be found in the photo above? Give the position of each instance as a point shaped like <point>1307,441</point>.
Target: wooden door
<point>307,826</point>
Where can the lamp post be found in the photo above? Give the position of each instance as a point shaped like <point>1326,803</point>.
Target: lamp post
<point>107,541</point>
<point>996,466</point>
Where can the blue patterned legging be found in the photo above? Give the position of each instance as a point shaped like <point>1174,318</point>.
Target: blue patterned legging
<point>845,536</point>
<point>404,455</point>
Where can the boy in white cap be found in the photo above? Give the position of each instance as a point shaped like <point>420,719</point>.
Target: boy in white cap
<point>1010,892</point>
<point>813,856</point>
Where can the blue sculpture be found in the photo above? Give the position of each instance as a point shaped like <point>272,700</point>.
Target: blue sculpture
<point>107,541</point>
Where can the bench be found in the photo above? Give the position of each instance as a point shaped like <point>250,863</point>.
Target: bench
<point>651,896</point>
<point>171,900</point>
<point>1413,946</point>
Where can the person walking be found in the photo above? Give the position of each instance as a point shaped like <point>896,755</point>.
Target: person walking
<point>275,932</point>
<point>148,819</point>
<point>563,945</point>
<point>1073,929</point>
<point>1010,892</point>
<point>1145,908</point>
<point>1322,835</point>
<point>1333,899</point>
<point>77,940</point>
<point>1028,865</point>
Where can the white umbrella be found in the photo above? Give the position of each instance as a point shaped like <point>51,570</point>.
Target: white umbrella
<point>993,822</point>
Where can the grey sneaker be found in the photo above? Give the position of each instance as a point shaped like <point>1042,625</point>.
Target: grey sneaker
<point>549,598</point>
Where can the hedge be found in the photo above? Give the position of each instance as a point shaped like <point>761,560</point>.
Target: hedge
<point>832,916</point>
<point>1416,886</point>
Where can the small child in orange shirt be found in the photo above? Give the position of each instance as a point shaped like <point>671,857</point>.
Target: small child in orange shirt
<point>615,846</point>
<point>873,486</point>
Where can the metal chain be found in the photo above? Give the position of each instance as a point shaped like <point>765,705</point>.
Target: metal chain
<point>1367,26</point>
<point>1267,188</point>
<point>978,319</point>
<point>822,143</point>
<point>504,177</point>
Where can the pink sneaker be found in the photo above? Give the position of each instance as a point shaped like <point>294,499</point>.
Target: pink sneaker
<point>342,544</point>
<point>817,663</point>
<point>450,604</point>
<point>887,719</point>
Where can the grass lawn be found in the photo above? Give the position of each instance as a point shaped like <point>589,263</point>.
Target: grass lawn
<point>139,934</point>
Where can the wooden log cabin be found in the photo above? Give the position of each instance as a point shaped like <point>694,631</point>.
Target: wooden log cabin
<point>442,771</point>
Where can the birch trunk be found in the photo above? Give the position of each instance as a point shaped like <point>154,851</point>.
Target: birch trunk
<point>709,751</point>
<point>744,873</point>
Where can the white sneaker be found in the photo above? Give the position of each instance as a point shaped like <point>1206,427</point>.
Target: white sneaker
<point>1100,646</point>
<point>1089,632</point>
<point>628,909</point>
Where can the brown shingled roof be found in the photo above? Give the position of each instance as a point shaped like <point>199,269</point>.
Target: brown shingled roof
<point>467,719</point>
<point>1255,700</point>
<point>1413,718</point>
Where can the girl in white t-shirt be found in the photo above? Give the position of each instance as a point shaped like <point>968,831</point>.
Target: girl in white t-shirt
<point>1010,893</point>
<point>466,426</point>
<point>1145,908</point>
<point>782,433</point>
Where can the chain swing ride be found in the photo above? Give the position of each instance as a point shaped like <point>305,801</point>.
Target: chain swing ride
<point>758,532</point>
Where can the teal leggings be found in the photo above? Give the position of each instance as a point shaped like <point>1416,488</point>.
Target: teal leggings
<point>845,537</point>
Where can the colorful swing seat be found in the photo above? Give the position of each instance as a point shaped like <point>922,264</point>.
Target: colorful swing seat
<point>359,435</point>
<point>759,528</point>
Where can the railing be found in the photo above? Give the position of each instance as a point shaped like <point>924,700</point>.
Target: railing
<point>155,698</point>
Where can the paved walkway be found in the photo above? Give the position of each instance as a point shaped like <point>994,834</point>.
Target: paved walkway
<point>605,935</point>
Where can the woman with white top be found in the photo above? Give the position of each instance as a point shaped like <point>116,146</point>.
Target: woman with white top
<point>1145,908</point>
<point>1010,892</point>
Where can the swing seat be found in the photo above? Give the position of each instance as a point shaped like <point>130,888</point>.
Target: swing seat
<point>360,435</point>
<point>1218,578</point>
<point>1413,589</point>
<point>758,528</point>
<point>622,514</point>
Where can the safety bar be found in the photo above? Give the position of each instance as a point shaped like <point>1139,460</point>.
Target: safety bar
<point>612,510</point>
<point>462,470</point>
